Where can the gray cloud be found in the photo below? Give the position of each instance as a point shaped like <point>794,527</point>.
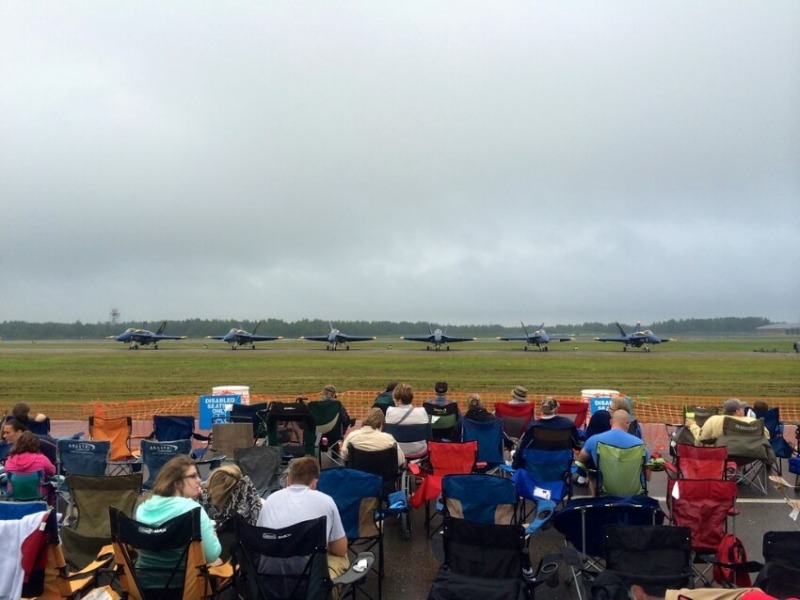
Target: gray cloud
<point>454,162</point>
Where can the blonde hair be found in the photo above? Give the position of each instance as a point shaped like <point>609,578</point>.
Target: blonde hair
<point>374,419</point>
<point>221,483</point>
<point>619,403</point>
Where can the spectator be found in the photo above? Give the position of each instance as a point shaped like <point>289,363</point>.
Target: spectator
<point>300,501</point>
<point>26,457</point>
<point>386,398</point>
<point>13,428</point>
<point>404,413</point>
<point>476,412</point>
<point>175,492</point>
<point>440,399</point>
<point>519,395</point>
<point>712,428</point>
<point>600,421</point>
<point>22,412</point>
<point>442,422</point>
<point>551,421</point>
<point>616,436</point>
<point>371,437</point>
<point>329,393</point>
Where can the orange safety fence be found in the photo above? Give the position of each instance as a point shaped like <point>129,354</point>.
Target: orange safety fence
<point>650,409</point>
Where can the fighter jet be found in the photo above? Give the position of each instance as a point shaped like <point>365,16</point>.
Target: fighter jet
<point>336,337</point>
<point>437,338</point>
<point>539,338</point>
<point>142,337</point>
<point>638,339</point>
<point>240,337</point>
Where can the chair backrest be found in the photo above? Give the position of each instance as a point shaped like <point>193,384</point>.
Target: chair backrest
<point>575,410</point>
<point>745,439</point>
<point>93,495</point>
<point>21,522</point>
<point>543,438</point>
<point>701,462</point>
<point>116,430</point>
<point>382,463</point>
<point>167,428</point>
<point>287,564</point>
<point>83,457</point>
<point>229,436</point>
<point>484,550</point>
<point>772,420</point>
<point>488,435</point>
<point>297,413</point>
<point>156,454</point>
<point>406,433</point>
<point>262,464</point>
<point>357,495</point>
<point>26,487</point>
<point>327,420</point>
<point>703,506</point>
<point>170,555</point>
<point>452,458</point>
<point>515,417</point>
<point>699,414</point>
<point>780,576</point>
<point>620,471</point>
<point>443,418</point>
<point>249,413</point>
<point>480,498</point>
<point>657,557</point>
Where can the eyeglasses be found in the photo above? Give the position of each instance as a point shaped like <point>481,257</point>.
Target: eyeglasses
<point>192,476</point>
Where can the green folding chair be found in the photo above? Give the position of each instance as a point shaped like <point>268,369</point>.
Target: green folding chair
<point>620,471</point>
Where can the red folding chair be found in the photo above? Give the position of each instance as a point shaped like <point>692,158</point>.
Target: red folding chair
<point>515,417</point>
<point>446,458</point>
<point>700,462</point>
<point>577,410</point>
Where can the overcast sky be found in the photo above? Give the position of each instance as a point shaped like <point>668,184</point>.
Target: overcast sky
<point>454,162</point>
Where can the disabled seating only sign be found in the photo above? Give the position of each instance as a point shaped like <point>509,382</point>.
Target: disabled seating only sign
<point>217,409</point>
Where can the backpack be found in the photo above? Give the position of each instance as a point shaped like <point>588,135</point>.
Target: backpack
<point>731,551</point>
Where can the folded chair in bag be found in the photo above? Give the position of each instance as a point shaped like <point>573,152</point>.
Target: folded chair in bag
<point>262,464</point>
<point>118,431</point>
<point>780,575</point>
<point>161,562</point>
<point>89,531</point>
<point>656,557</point>
<point>443,419</point>
<point>155,455</point>
<point>620,471</point>
<point>396,481</point>
<point>289,563</point>
<point>582,522</point>
<point>445,458</point>
<point>515,417</point>
<point>750,449</point>
<point>490,562</point>
<point>358,497</point>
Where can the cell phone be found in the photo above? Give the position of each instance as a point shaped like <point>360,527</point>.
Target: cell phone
<point>360,566</point>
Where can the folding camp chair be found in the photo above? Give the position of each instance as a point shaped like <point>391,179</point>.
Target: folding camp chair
<point>480,499</point>
<point>699,414</point>
<point>704,506</point>
<point>163,562</point>
<point>358,497</point>
<point>407,434</point>
<point>28,487</point>
<point>328,428</point>
<point>396,481</point>
<point>155,455</point>
<point>656,557</point>
<point>582,523</point>
<point>170,428</point>
<point>227,437</point>
<point>780,576</point>
<point>40,570</point>
<point>486,561</point>
<point>284,419</point>
<point>262,464</point>
<point>775,427</point>
<point>749,449</point>
<point>443,419</point>
<point>700,462</point>
<point>118,431</point>
<point>446,458</point>
<point>248,413</point>
<point>289,563</point>
<point>79,457</point>
<point>515,417</point>
<point>88,531</point>
<point>575,410</point>
<point>489,436</point>
<point>620,471</point>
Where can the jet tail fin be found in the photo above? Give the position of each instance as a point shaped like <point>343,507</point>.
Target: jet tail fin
<point>256,327</point>
<point>621,330</point>
<point>161,328</point>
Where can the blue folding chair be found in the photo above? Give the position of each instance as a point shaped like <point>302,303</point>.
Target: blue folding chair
<point>774,425</point>
<point>357,495</point>
<point>480,499</point>
<point>156,454</point>
<point>489,435</point>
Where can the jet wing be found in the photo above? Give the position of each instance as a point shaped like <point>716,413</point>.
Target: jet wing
<point>418,338</point>
<point>159,337</point>
<point>315,338</point>
<point>516,338</point>
<point>561,338</point>
<point>355,338</point>
<point>215,337</point>
<point>612,339</point>
<point>449,339</point>
<point>264,338</point>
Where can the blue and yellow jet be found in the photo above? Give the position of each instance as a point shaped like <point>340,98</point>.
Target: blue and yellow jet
<point>142,337</point>
<point>638,339</point>
<point>240,337</point>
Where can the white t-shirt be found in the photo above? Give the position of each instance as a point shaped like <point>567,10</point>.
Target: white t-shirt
<point>416,416</point>
<point>298,503</point>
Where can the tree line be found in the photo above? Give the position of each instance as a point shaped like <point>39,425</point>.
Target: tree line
<point>199,328</point>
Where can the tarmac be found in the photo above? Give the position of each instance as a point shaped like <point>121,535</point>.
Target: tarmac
<point>410,565</point>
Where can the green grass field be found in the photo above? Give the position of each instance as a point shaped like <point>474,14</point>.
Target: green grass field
<point>54,372</point>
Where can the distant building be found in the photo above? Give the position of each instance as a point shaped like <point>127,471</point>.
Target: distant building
<point>779,328</point>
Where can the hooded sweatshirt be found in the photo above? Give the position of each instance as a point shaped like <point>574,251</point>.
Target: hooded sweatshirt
<point>156,510</point>
<point>30,462</point>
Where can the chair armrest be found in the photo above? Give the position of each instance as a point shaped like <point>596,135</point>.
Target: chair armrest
<point>352,576</point>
